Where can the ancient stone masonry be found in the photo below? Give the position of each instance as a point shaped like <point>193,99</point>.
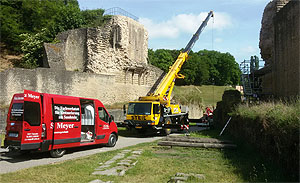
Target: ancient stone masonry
<point>120,44</point>
<point>279,45</point>
<point>118,48</point>
<point>109,61</point>
<point>266,41</point>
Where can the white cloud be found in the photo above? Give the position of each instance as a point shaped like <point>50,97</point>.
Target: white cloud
<point>249,50</point>
<point>218,40</point>
<point>185,23</point>
<point>163,29</point>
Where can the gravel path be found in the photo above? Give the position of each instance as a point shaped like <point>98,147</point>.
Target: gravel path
<point>10,162</point>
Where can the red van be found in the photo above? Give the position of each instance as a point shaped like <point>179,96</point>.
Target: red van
<point>47,122</point>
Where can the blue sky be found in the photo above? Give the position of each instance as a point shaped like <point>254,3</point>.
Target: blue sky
<point>171,23</point>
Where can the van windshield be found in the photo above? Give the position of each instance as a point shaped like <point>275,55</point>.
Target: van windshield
<point>17,111</point>
<point>139,108</point>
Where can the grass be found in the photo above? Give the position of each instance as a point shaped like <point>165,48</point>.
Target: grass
<point>279,113</point>
<point>208,95</point>
<point>159,164</point>
<point>2,136</point>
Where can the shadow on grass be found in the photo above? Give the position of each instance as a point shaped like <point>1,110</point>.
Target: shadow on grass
<point>248,162</point>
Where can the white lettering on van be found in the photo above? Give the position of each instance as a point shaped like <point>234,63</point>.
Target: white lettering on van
<point>29,95</point>
<point>64,126</point>
<point>105,127</point>
<point>18,98</point>
<point>32,136</point>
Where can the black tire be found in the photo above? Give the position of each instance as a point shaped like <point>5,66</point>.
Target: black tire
<point>112,140</point>
<point>168,131</point>
<point>57,153</point>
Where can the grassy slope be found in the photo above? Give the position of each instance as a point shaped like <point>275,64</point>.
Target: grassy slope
<point>159,164</point>
<point>208,95</point>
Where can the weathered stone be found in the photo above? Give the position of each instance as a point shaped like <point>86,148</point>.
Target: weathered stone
<point>133,157</point>
<point>137,152</point>
<point>124,164</point>
<point>266,40</point>
<point>279,45</point>
<point>100,181</point>
<point>126,151</point>
<point>126,161</point>
<point>178,179</point>
<point>103,166</point>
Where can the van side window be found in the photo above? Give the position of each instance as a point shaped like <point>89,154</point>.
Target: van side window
<point>32,113</point>
<point>103,114</point>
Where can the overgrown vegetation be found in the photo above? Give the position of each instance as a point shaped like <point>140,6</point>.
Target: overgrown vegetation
<point>159,164</point>
<point>280,113</point>
<point>202,67</point>
<point>27,24</point>
<point>273,129</point>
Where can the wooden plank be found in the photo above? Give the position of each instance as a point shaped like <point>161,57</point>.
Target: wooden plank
<point>203,145</point>
<point>196,140</point>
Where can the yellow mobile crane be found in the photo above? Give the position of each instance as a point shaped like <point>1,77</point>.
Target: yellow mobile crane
<point>155,111</point>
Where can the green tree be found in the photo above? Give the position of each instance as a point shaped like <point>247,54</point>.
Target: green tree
<point>38,21</point>
<point>10,19</point>
<point>162,59</point>
<point>203,67</point>
<point>94,18</point>
<point>32,47</point>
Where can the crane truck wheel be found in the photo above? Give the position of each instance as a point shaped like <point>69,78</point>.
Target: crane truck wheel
<point>168,131</point>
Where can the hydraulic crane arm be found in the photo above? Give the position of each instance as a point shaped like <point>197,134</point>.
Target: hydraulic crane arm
<point>195,37</point>
<point>164,90</point>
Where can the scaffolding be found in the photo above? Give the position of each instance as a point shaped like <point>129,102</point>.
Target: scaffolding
<point>250,80</point>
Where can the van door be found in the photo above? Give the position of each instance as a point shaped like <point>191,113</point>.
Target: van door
<point>103,129</point>
<point>66,121</point>
<point>31,131</point>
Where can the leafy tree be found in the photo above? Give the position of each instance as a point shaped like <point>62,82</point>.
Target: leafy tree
<point>203,67</point>
<point>32,47</point>
<point>29,23</point>
<point>10,26</point>
<point>94,18</point>
<point>162,58</point>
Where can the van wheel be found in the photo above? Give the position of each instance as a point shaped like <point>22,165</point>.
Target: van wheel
<point>112,140</point>
<point>57,153</point>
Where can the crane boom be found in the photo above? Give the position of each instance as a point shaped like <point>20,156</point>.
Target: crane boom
<point>195,37</point>
<point>164,90</point>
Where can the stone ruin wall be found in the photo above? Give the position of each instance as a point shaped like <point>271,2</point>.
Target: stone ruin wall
<point>279,45</point>
<point>286,67</point>
<point>108,63</point>
<point>118,48</point>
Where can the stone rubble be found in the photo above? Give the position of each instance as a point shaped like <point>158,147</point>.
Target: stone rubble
<point>183,177</point>
<point>123,164</point>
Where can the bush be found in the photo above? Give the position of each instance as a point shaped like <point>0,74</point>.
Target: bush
<point>273,128</point>
<point>32,47</point>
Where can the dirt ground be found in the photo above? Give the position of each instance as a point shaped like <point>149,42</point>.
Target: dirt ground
<point>7,59</point>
